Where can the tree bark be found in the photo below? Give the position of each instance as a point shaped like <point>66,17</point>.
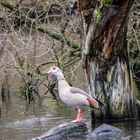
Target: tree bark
<point>105,57</point>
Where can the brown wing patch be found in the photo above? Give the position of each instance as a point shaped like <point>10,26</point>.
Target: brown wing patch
<point>92,102</point>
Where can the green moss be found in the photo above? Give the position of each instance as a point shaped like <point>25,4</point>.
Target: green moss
<point>59,36</point>
<point>97,14</point>
<point>106,2</point>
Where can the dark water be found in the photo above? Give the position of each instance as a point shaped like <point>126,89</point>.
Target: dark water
<point>21,122</point>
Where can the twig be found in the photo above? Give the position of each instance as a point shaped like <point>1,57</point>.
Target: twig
<point>23,78</point>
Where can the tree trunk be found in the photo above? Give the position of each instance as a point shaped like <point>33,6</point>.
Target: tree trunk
<point>105,57</point>
<point>5,92</point>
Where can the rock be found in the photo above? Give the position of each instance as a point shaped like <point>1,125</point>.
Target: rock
<point>64,131</point>
<point>126,138</point>
<point>106,132</point>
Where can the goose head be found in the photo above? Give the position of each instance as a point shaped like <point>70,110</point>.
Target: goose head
<point>55,71</point>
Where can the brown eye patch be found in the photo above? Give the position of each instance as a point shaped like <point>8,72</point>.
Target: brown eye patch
<point>54,68</point>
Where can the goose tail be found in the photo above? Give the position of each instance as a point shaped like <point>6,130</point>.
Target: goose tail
<point>94,103</point>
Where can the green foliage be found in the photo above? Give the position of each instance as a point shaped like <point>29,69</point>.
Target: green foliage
<point>106,2</point>
<point>97,14</point>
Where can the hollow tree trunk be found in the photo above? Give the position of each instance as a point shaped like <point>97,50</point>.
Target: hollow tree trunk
<point>105,57</point>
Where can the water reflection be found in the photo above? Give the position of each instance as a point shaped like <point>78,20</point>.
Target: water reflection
<point>23,121</point>
<point>20,121</point>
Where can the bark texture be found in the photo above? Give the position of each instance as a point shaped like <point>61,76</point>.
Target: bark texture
<point>105,57</point>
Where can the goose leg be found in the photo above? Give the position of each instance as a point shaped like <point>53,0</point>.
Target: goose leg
<point>79,117</point>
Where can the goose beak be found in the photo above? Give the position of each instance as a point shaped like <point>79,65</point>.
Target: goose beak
<point>49,72</point>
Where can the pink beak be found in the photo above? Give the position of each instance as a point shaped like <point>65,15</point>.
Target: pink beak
<point>49,72</point>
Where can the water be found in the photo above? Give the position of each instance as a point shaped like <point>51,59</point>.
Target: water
<point>21,122</point>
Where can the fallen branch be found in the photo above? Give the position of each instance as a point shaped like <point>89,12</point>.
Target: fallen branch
<point>58,36</point>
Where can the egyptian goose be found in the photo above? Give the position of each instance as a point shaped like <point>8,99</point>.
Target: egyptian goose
<point>72,96</point>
